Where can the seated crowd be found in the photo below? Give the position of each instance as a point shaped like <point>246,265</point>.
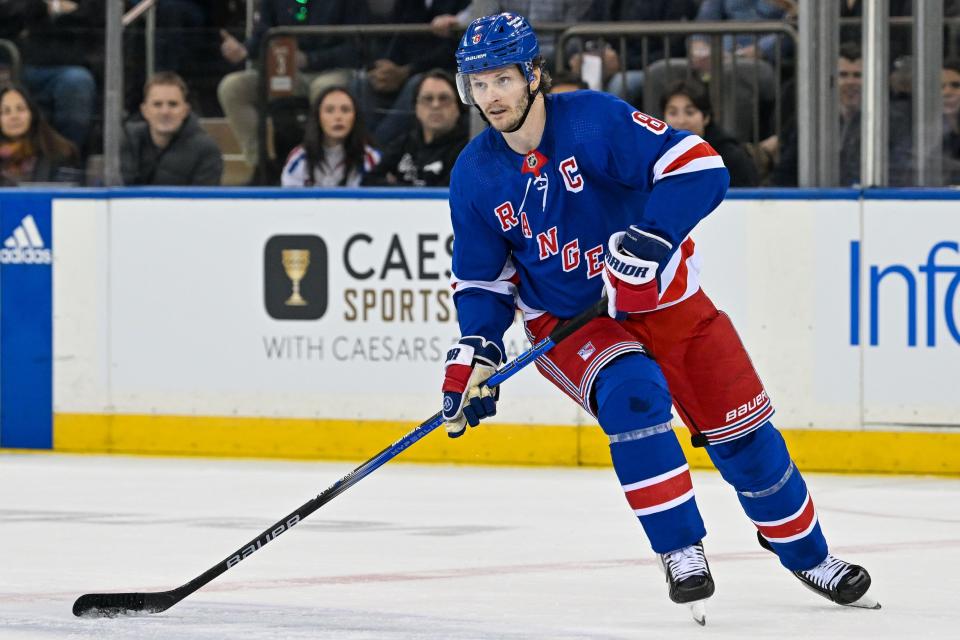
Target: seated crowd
<point>383,110</point>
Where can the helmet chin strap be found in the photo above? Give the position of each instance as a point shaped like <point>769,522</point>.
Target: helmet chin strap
<point>531,96</point>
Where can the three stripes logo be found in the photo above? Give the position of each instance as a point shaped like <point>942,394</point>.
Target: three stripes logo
<point>25,245</point>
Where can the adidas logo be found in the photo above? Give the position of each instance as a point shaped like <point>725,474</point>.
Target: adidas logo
<point>25,245</point>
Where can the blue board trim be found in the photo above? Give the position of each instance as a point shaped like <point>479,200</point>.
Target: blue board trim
<point>911,193</point>
<point>241,193</point>
<point>793,194</point>
<point>441,193</point>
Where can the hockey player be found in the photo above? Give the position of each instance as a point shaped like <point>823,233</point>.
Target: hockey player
<point>566,197</point>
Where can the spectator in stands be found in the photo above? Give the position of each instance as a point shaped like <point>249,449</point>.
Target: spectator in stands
<point>335,150</point>
<point>900,35</point>
<point>849,90</point>
<point>536,11</point>
<point>169,147</point>
<point>385,89</point>
<point>57,39</point>
<point>30,150</point>
<point>565,82</point>
<point>686,105</point>
<point>748,75</point>
<point>626,80</point>
<point>321,61</point>
<point>425,156</point>
<point>745,45</point>
<point>950,85</point>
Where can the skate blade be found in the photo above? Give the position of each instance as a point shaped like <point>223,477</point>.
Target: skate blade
<point>865,602</point>
<point>698,609</point>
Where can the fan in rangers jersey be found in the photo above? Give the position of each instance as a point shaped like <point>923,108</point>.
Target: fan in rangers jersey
<point>564,198</point>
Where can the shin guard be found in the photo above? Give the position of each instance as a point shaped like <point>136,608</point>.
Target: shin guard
<point>634,411</point>
<point>773,495</point>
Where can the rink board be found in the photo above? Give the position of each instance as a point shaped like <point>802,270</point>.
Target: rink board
<point>172,331</point>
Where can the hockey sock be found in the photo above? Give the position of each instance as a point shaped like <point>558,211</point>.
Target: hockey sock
<point>634,410</point>
<point>773,495</point>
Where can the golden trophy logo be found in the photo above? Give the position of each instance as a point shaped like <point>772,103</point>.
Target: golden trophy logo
<point>295,264</point>
<point>295,277</point>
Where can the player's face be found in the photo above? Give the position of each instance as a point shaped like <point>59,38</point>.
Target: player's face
<point>502,96</point>
<point>437,108</point>
<point>950,85</point>
<point>164,108</point>
<point>849,82</point>
<point>15,115</point>
<point>681,113</point>
<point>337,116</point>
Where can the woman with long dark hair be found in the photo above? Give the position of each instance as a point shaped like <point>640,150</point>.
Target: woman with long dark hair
<point>30,150</point>
<point>686,105</point>
<point>950,84</point>
<point>335,150</point>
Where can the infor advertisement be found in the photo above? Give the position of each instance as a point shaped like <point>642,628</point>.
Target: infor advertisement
<point>905,311</point>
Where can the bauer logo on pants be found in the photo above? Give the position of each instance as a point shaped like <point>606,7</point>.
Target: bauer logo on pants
<point>295,277</point>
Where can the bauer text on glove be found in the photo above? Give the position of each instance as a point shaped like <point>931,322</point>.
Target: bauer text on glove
<point>631,274</point>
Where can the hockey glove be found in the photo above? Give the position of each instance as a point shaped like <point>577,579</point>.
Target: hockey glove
<point>631,273</point>
<point>465,398</point>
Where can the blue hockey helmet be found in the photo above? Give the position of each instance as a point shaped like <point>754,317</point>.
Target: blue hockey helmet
<point>492,42</point>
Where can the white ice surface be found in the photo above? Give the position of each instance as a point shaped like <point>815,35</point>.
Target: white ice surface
<point>441,552</point>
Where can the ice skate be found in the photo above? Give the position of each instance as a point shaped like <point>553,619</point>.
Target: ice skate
<point>836,580</point>
<point>688,575</point>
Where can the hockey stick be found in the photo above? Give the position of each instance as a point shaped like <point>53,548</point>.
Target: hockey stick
<point>112,604</point>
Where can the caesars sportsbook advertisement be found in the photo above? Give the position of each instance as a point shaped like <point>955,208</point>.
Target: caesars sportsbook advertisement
<point>336,308</point>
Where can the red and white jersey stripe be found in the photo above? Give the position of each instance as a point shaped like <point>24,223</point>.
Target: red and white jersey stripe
<point>680,279</point>
<point>691,154</point>
<point>661,492</point>
<point>792,527</point>
<point>505,284</point>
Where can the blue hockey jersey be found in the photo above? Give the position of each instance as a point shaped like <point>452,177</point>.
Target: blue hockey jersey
<point>530,230</point>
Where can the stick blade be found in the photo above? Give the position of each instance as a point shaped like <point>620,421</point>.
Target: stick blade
<point>109,605</point>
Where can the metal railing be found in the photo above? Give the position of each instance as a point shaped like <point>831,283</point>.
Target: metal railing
<point>148,10</point>
<point>116,22</point>
<point>359,32</point>
<point>815,60</point>
<point>564,32</point>
<point>621,32</point>
<point>14,55</point>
